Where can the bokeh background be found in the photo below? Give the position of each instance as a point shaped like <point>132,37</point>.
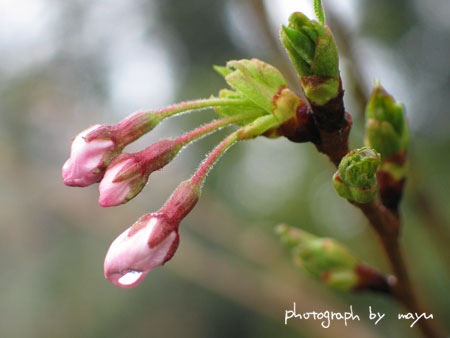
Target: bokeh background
<point>65,65</point>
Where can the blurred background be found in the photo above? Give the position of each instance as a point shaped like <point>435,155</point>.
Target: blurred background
<point>65,65</point>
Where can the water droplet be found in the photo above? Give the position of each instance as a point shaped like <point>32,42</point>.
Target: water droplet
<point>130,277</point>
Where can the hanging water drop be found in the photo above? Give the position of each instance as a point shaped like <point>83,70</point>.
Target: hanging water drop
<point>130,277</point>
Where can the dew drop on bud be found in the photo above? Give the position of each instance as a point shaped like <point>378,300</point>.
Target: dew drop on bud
<point>129,277</point>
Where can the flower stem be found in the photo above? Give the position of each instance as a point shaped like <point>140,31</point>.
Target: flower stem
<point>210,127</point>
<point>212,158</point>
<point>141,122</point>
<point>197,104</point>
<point>251,130</point>
<point>162,152</point>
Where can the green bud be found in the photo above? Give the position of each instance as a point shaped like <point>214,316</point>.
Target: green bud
<point>323,258</point>
<point>253,79</point>
<point>356,179</point>
<point>386,126</point>
<point>293,237</point>
<point>332,262</point>
<point>314,54</point>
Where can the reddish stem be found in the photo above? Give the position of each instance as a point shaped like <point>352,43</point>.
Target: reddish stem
<point>201,173</point>
<point>209,128</point>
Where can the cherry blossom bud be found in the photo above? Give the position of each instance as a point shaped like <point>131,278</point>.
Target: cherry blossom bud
<point>94,148</point>
<point>122,180</point>
<point>128,174</point>
<point>88,158</point>
<point>147,244</point>
<point>151,241</point>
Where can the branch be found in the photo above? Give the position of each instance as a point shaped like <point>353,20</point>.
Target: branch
<point>434,220</point>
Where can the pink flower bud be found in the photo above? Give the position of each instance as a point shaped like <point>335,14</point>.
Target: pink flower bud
<point>127,174</point>
<point>124,178</point>
<point>148,243</point>
<point>151,241</point>
<point>88,158</point>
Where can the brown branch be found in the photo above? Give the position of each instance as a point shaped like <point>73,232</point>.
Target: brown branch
<point>385,222</point>
<point>334,143</point>
<point>387,225</point>
<point>434,219</point>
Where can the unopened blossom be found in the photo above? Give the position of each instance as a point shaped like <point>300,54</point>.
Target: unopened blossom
<point>128,174</point>
<point>94,148</point>
<point>151,241</point>
<point>88,158</point>
<point>123,179</point>
<point>147,244</point>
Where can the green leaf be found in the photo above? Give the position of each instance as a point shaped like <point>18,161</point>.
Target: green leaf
<point>318,9</point>
<point>301,42</point>
<point>227,111</point>
<point>256,80</point>
<point>224,71</point>
<point>302,68</point>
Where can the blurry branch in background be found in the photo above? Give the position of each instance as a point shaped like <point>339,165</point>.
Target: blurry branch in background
<point>434,219</point>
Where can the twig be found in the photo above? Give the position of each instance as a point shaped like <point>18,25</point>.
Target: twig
<point>433,218</point>
<point>387,225</point>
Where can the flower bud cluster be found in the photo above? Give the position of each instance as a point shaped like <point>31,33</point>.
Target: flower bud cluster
<point>259,102</point>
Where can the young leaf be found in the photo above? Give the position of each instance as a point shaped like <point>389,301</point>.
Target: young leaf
<point>319,11</point>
